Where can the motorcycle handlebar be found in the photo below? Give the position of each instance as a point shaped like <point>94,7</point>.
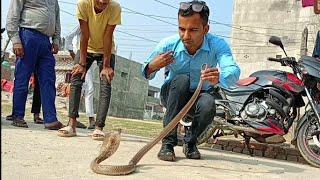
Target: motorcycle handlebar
<point>274,59</point>
<point>284,61</point>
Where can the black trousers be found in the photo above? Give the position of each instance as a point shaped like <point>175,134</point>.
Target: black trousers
<point>36,99</point>
<point>174,96</point>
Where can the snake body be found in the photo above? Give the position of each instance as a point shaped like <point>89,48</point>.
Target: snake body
<point>112,141</point>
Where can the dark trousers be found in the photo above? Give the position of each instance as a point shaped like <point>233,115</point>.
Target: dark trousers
<point>105,90</point>
<point>36,99</point>
<point>174,96</point>
<point>37,58</point>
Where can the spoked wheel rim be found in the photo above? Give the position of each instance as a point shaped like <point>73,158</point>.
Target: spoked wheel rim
<point>310,141</point>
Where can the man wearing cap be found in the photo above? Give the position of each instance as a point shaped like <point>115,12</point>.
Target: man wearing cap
<point>183,55</point>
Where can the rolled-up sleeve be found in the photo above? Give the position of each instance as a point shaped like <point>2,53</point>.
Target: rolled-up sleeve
<point>13,20</point>
<point>229,69</point>
<point>160,48</point>
<point>56,38</point>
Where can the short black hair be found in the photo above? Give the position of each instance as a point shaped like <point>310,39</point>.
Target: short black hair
<point>204,13</point>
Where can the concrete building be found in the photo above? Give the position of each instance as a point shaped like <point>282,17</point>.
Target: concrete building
<point>153,109</point>
<point>254,21</point>
<point>131,94</point>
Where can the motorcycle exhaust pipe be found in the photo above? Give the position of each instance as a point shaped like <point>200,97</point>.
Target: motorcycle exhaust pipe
<point>222,121</point>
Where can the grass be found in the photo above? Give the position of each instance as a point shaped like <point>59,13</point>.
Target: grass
<point>133,127</point>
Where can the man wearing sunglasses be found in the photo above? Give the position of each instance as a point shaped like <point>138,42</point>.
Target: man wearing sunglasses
<point>183,55</point>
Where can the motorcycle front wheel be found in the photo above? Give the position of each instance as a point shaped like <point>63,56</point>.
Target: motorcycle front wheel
<point>308,140</point>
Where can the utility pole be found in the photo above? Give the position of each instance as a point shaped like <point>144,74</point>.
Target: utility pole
<point>130,55</point>
<point>304,40</point>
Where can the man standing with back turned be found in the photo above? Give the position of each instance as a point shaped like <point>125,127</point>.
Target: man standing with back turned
<point>30,25</point>
<point>184,55</point>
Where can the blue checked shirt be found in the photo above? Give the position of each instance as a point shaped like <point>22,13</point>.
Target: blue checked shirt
<point>214,52</point>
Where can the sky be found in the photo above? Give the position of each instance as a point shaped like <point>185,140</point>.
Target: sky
<point>144,23</point>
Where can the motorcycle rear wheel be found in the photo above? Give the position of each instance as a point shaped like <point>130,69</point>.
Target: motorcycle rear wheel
<point>202,138</point>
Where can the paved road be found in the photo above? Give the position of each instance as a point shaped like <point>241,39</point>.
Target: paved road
<point>35,153</point>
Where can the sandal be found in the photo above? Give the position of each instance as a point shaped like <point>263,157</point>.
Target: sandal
<point>81,125</point>
<point>9,118</point>
<point>92,125</point>
<point>66,132</point>
<point>98,135</point>
<point>38,120</point>
<point>19,123</point>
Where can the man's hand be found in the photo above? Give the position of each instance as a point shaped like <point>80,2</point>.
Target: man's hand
<point>211,75</point>
<point>72,54</point>
<point>55,48</point>
<point>107,73</point>
<point>161,61</point>
<point>78,69</point>
<point>18,50</point>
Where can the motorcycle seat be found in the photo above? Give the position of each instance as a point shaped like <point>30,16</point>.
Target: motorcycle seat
<point>238,90</point>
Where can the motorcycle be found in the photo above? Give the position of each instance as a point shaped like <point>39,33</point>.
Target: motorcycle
<point>265,105</point>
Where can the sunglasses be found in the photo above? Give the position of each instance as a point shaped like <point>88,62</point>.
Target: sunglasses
<point>197,6</point>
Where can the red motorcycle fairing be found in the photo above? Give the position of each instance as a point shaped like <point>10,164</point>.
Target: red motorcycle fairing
<point>268,125</point>
<point>291,83</point>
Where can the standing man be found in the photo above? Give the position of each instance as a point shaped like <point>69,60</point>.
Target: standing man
<point>87,86</point>
<point>98,19</point>
<point>184,55</point>
<point>30,24</point>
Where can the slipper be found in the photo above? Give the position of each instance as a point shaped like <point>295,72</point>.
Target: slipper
<point>91,126</point>
<point>19,123</point>
<point>98,135</point>
<point>38,120</point>
<point>66,132</point>
<point>81,125</point>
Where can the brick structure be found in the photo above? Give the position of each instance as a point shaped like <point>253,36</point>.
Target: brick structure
<point>272,151</point>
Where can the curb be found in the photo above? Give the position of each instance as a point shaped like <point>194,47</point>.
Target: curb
<point>271,151</point>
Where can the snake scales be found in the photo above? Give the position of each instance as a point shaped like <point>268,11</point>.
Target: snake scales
<point>111,144</point>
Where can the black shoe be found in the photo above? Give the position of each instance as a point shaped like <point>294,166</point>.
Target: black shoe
<point>166,153</point>
<point>191,151</point>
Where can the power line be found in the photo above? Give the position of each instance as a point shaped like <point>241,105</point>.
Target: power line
<point>271,52</point>
<point>228,25</point>
<point>115,30</point>
<point>149,16</point>
<point>146,15</point>
<point>137,36</point>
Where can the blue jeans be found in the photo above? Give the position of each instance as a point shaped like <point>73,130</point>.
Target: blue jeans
<point>37,58</point>
<point>174,96</point>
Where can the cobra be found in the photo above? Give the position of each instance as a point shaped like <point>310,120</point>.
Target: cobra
<point>112,141</point>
